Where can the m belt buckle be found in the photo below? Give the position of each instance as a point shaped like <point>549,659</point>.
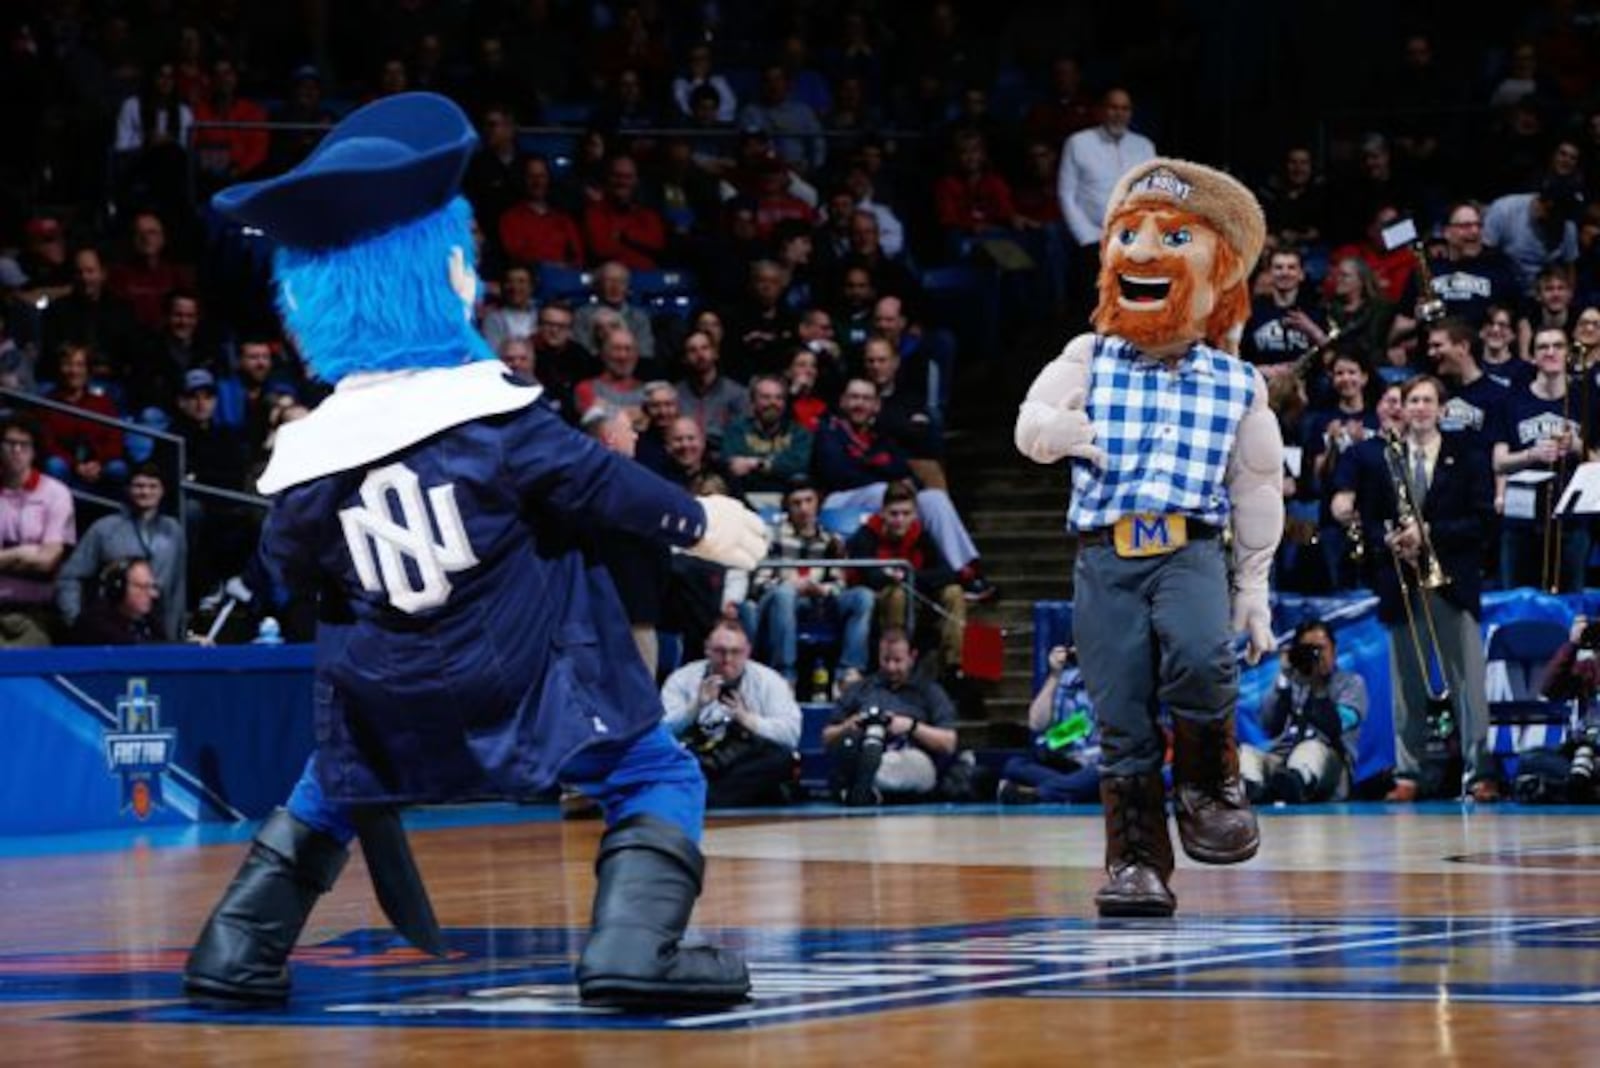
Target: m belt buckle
<point>1142,535</point>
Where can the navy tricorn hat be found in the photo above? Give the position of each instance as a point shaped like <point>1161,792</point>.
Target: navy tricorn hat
<point>395,160</point>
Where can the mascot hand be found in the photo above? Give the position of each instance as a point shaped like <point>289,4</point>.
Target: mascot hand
<point>1062,431</point>
<point>735,536</point>
<point>1252,616</point>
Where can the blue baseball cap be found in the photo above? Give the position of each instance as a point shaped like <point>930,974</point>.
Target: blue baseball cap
<point>392,161</point>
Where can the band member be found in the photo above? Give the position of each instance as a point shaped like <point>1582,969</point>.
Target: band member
<point>1542,431</point>
<point>1423,500</point>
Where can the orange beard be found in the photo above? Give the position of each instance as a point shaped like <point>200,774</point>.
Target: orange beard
<point>1175,320</point>
<point>1214,321</point>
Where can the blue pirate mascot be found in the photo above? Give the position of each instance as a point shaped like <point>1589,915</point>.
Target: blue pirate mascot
<point>1172,446</point>
<point>468,643</point>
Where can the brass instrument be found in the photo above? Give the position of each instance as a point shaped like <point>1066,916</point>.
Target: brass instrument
<point>1430,308</point>
<point>1428,574</point>
<point>1355,543</point>
<point>1311,357</point>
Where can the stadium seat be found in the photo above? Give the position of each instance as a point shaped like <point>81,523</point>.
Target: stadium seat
<point>563,283</point>
<point>567,112</point>
<point>1519,719</point>
<point>550,146</point>
<point>842,521</point>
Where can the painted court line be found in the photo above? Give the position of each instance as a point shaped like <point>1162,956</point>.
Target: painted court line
<point>739,1016</point>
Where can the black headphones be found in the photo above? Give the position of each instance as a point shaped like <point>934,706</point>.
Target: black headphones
<point>114,579</point>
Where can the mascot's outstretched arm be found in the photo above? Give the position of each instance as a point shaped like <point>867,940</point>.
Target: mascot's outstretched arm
<point>735,536</point>
<point>1054,421</point>
<point>1255,486</point>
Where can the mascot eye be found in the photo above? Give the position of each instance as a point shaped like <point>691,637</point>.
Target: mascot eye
<point>1127,235</point>
<point>1177,239</point>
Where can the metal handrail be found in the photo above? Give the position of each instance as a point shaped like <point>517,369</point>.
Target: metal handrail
<point>794,562</point>
<point>180,484</point>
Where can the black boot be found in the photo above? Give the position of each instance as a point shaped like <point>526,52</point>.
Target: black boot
<point>243,952</point>
<point>649,876</point>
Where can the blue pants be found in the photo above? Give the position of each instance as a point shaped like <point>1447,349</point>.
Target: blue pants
<point>1054,785</point>
<point>650,776</point>
<point>776,619</point>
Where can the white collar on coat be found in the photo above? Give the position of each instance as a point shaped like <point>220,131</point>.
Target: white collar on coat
<point>372,415</point>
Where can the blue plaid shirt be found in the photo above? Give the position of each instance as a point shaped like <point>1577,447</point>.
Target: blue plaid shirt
<point>1166,434</point>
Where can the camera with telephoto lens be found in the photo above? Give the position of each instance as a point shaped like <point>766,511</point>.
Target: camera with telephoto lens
<point>1581,770</point>
<point>874,724</point>
<point>1304,658</point>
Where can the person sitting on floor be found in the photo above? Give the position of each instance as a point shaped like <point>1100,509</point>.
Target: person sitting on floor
<point>1064,763</point>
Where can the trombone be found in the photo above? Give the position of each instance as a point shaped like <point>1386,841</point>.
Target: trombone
<point>1426,575</point>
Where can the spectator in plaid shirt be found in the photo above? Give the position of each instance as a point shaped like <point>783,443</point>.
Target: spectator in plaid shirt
<point>779,597</point>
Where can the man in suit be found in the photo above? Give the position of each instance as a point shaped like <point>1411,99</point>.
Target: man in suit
<point>1451,487</point>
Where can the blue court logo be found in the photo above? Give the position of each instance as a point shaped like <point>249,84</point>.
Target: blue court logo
<point>522,978</point>
<point>139,750</point>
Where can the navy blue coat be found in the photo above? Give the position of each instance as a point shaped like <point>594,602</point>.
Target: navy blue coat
<point>1458,508</point>
<point>470,641</point>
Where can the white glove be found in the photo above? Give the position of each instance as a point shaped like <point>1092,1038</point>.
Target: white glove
<point>735,536</point>
<point>1252,616</point>
<point>1048,433</point>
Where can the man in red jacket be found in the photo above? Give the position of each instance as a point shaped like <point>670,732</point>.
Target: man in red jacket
<point>80,452</point>
<point>617,227</point>
<point>896,533</point>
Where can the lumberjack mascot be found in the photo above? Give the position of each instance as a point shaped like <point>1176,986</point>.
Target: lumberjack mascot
<point>1172,445</point>
<point>468,644</point>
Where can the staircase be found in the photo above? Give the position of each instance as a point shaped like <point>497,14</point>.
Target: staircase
<point>1016,511</point>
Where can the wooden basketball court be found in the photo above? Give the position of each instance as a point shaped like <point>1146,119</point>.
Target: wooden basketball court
<point>1426,935</point>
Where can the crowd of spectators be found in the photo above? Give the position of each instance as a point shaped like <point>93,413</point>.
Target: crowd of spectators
<point>708,230</point>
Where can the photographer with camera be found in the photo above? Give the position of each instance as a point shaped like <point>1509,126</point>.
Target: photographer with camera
<point>1313,716</point>
<point>891,734</point>
<point>738,718</point>
<point>1063,765</point>
<point>1573,674</point>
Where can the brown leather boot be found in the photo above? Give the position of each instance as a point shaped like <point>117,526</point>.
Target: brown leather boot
<point>1215,822</point>
<point>1138,849</point>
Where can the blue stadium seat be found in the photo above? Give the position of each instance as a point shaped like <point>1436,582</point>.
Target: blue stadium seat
<point>964,299</point>
<point>1524,646</point>
<point>647,284</point>
<point>563,283</point>
<point>551,146</point>
<point>1519,719</point>
<point>567,113</point>
<point>842,521</point>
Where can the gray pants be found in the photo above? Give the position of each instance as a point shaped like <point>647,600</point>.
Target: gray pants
<point>1151,632</point>
<point>1461,650</point>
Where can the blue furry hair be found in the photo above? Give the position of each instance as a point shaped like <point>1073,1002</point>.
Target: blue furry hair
<point>384,304</point>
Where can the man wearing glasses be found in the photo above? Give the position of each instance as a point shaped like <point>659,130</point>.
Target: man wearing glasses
<point>1469,277</point>
<point>36,527</point>
<point>560,362</point>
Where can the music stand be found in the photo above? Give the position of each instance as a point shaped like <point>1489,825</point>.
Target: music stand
<point>1582,495</point>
